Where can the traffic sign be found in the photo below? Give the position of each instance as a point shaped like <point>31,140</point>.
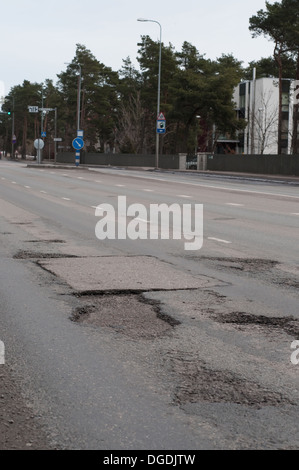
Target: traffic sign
<point>44,134</point>
<point>39,144</point>
<point>33,109</point>
<point>45,110</point>
<point>78,143</point>
<point>161,117</point>
<point>161,127</point>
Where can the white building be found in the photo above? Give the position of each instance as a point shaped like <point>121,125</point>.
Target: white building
<point>257,101</point>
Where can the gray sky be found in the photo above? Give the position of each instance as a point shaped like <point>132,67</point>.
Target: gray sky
<point>38,36</point>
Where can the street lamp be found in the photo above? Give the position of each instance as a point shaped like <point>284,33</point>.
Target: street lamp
<point>159,86</point>
<point>79,97</point>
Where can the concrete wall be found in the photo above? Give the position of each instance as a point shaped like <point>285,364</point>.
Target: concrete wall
<point>165,161</point>
<point>261,164</point>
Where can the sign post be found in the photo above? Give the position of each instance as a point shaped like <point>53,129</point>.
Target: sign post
<point>39,145</point>
<point>78,144</point>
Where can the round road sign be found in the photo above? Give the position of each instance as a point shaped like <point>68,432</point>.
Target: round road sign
<point>39,144</point>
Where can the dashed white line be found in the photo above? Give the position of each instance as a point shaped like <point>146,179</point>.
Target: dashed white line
<point>184,196</point>
<point>234,204</point>
<point>27,187</point>
<point>44,192</point>
<point>66,198</point>
<point>120,185</point>
<point>219,240</point>
<point>148,190</point>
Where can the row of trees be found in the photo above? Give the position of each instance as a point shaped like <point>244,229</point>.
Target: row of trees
<point>118,108</point>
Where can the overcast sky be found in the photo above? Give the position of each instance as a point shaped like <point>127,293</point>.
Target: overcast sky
<point>38,36</point>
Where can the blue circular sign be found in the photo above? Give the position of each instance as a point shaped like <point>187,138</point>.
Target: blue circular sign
<point>78,143</point>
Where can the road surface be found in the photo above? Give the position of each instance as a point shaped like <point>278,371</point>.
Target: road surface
<point>140,344</point>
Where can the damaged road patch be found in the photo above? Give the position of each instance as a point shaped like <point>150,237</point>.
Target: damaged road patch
<point>129,314</point>
<point>122,273</point>
<point>288,324</point>
<point>196,382</point>
<point>24,254</point>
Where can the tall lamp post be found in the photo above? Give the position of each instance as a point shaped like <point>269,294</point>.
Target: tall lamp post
<point>79,97</point>
<point>159,87</point>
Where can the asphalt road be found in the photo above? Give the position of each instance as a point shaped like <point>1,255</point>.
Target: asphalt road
<point>212,371</point>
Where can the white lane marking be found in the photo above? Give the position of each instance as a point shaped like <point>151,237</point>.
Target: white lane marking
<point>234,204</point>
<point>27,187</point>
<point>44,192</point>
<point>65,198</point>
<point>218,187</point>
<point>14,182</point>
<point>295,213</point>
<point>148,190</point>
<point>219,240</point>
<point>183,195</point>
<point>3,178</point>
<point>120,185</point>
<point>80,177</point>
<point>98,181</point>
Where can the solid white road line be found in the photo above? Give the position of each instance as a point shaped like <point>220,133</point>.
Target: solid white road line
<point>219,240</point>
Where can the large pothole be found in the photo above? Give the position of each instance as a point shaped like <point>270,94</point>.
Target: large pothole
<point>129,314</point>
<point>196,382</point>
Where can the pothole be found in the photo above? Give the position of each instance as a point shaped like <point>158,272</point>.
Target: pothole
<point>199,383</point>
<point>129,314</point>
<point>243,264</point>
<point>24,254</point>
<point>270,271</point>
<point>45,241</point>
<point>288,324</point>
<point>21,223</point>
